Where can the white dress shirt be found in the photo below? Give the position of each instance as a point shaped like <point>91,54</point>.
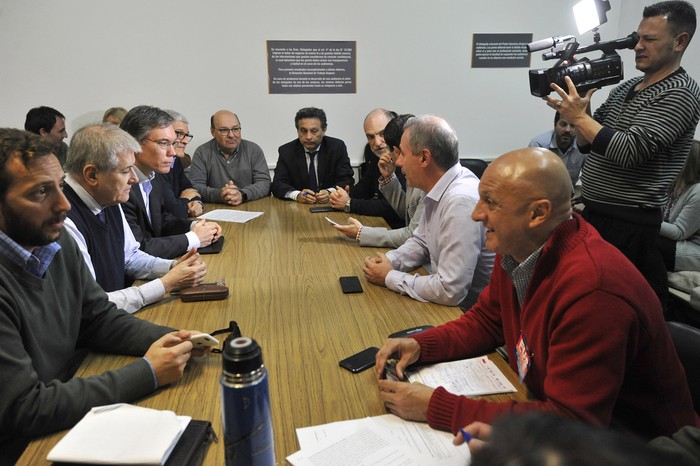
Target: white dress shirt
<point>450,240</point>
<point>137,264</point>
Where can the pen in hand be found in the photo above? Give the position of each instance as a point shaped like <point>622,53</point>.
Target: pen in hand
<point>466,435</point>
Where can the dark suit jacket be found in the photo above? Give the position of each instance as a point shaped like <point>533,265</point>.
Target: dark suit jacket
<point>177,181</point>
<point>292,172</point>
<point>165,235</point>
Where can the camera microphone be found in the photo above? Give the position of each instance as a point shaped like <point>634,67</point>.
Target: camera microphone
<point>628,42</point>
<point>546,43</point>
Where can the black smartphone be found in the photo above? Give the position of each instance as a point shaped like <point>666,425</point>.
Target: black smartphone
<point>350,284</point>
<point>410,331</point>
<point>323,208</point>
<point>360,361</point>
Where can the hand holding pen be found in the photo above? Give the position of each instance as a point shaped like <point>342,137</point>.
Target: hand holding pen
<point>475,434</point>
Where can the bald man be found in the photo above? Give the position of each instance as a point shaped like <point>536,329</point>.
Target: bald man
<point>366,198</point>
<point>581,325</point>
<point>228,169</point>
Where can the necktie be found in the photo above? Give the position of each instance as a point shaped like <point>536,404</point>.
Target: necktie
<point>313,182</point>
<point>147,187</point>
<point>101,216</point>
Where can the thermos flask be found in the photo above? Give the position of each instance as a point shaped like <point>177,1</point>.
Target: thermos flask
<point>245,399</point>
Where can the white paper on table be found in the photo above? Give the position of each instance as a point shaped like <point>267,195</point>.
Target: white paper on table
<point>308,437</point>
<point>468,377</point>
<point>121,434</point>
<point>425,445</point>
<point>228,215</point>
<point>365,447</point>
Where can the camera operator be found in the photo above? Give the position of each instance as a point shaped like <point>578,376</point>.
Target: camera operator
<point>638,139</point>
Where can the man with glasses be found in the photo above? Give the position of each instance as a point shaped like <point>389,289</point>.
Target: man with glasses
<point>99,175</point>
<point>228,169</point>
<point>189,200</point>
<point>311,166</point>
<point>159,232</point>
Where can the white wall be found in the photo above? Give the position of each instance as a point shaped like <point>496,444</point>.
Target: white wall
<point>83,56</point>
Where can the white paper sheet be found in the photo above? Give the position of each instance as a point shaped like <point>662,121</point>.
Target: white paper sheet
<point>227,215</point>
<point>468,377</point>
<point>391,441</point>
<point>121,434</point>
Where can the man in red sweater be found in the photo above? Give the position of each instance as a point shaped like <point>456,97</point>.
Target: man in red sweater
<point>582,327</point>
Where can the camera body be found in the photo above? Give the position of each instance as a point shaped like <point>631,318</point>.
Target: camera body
<point>585,74</point>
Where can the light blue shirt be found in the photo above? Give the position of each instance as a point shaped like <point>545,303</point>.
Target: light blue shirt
<point>35,262</point>
<point>450,240</point>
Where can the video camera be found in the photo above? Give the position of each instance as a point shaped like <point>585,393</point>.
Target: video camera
<point>586,74</point>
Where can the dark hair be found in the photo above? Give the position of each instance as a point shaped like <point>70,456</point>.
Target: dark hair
<point>41,118</point>
<point>26,145</point>
<point>311,112</point>
<point>436,135</point>
<point>394,130</point>
<point>540,439</point>
<point>139,121</point>
<point>680,15</point>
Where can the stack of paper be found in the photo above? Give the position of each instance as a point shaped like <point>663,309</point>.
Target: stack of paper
<point>468,377</point>
<point>228,215</point>
<point>377,441</point>
<point>121,434</point>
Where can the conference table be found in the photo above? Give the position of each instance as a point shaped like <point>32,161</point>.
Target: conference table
<point>282,269</point>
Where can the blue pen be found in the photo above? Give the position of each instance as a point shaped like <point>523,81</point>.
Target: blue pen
<point>466,436</point>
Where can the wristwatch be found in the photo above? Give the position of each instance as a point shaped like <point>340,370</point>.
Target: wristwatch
<point>244,196</point>
<point>346,207</point>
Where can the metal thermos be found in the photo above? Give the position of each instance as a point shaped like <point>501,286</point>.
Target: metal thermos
<point>245,399</point>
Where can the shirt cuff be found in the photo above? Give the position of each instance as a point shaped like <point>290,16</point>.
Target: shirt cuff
<point>153,372</point>
<point>385,181</point>
<point>293,195</point>
<point>192,240</point>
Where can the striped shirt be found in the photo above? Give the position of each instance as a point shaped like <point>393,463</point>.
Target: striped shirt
<point>644,141</point>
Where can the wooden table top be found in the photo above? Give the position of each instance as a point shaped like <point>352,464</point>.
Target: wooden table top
<point>282,270</point>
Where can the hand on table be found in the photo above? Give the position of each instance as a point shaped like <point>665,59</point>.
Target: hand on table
<point>306,196</point>
<point>187,271</point>
<point>340,197</point>
<point>207,232</point>
<point>377,268</point>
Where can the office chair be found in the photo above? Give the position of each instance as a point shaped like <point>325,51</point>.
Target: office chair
<point>477,166</point>
<point>686,339</point>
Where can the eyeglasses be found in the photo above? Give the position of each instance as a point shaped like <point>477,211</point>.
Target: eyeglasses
<point>182,136</point>
<point>225,131</point>
<point>163,143</point>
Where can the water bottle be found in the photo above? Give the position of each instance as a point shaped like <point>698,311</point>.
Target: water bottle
<point>245,399</point>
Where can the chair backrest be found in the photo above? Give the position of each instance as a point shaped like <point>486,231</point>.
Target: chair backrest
<point>686,339</point>
<point>477,166</point>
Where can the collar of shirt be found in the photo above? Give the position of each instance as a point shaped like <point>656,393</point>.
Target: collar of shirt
<point>521,273</point>
<point>444,182</point>
<point>142,176</point>
<point>315,149</point>
<point>232,156</point>
<point>84,196</point>
<point>35,263</point>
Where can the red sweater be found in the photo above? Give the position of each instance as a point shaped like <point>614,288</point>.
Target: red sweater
<point>598,343</point>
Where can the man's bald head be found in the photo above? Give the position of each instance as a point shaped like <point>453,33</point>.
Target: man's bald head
<point>523,196</point>
<point>537,172</point>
